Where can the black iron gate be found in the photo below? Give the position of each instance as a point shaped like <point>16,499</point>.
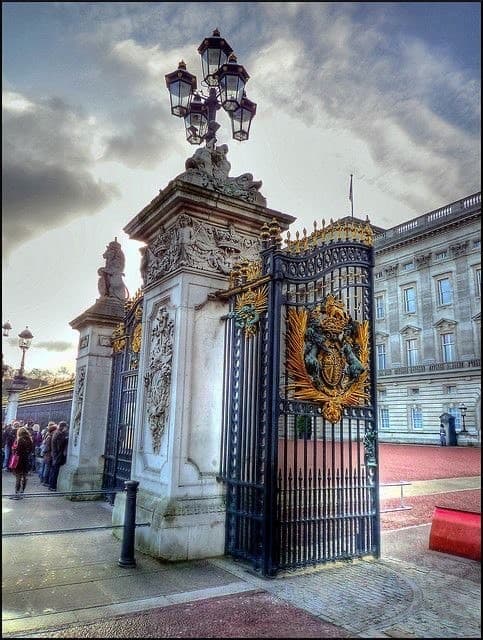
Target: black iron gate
<point>122,400</point>
<point>299,450</point>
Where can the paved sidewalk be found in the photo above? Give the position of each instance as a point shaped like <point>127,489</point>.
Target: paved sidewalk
<point>70,585</point>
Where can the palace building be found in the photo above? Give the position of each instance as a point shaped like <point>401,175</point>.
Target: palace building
<point>427,296</point>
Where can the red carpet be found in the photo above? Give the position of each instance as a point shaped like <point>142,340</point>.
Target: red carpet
<point>427,462</point>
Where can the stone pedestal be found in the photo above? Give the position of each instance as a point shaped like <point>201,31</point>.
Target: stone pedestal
<point>87,429</point>
<point>16,387</point>
<point>193,235</point>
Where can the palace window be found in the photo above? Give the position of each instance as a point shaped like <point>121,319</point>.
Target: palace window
<point>445,291</point>
<point>412,352</point>
<point>478,282</point>
<point>383,417</point>
<point>450,389</point>
<point>409,300</point>
<point>379,307</point>
<point>408,266</point>
<point>441,255</point>
<point>416,418</point>
<point>447,347</point>
<point>381,356</point>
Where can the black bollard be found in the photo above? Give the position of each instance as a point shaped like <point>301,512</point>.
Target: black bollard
<point>127,549</point>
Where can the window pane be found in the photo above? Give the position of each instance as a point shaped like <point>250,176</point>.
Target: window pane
<point>412,352</point>
<point>379,307</point>
<point>381,356</point>
<point>384,418</point>
<point>410,300</point>
<point>416,418</point>
<point>445,291</point>
<point>447,345</point>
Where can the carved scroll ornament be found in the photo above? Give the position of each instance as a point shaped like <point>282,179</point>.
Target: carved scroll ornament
<point>78,403</point>
<point>158,377</point>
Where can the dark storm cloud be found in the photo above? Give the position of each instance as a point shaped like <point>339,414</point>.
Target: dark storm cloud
<point>54,345</point>
<point>47,163</point>
<point>145,142</point>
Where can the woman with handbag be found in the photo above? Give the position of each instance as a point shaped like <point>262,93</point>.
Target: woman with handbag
<point>20,460</point>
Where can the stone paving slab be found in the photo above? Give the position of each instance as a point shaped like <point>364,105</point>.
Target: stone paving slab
<point>249,615</point>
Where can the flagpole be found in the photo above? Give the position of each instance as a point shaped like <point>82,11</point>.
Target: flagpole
<point>351,198</point>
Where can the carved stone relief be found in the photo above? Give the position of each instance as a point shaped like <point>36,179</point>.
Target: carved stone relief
<point>209,168</point>
<point>459,249</point>
<point>198,245</point>
<point>78,402</point>
<point>423,260</point>
<point>158,377</point>
<point>391,270</point>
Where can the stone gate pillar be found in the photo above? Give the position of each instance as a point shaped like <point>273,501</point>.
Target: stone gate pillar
<point>88,422</point>
<point>195,230</point>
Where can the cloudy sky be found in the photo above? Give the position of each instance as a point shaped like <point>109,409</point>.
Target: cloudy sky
<point>389,92</point>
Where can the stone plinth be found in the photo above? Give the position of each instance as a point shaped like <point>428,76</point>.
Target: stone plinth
<point>87,432</point>
<point>193,235</point>
<point>18,384</point>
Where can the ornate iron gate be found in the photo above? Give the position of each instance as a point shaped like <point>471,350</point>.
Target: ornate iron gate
<point>299,450</point>
<point>122,402</point>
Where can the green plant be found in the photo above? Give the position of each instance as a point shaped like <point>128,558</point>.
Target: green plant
<point>303,426</point>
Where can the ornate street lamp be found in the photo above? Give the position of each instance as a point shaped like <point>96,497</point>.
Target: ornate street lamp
<point>463,410</point>
<point>224,79</point>
<point>24,341</point>
<point>19,382</point>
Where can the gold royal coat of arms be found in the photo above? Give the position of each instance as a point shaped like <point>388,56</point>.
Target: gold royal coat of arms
<point>328,357</point>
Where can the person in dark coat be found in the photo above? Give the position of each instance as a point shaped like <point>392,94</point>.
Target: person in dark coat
<point>10,435</point>
<point>60,440</point>
<point>47,451</point>
<point>23,447</point>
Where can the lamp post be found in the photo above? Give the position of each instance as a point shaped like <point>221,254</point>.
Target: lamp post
<point>463,410</point>
<point>224,81</point>
<point>6,327</point>
<point>18,383</point>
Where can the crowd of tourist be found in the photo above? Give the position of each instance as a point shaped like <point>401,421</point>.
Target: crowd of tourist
<point>28,449</point>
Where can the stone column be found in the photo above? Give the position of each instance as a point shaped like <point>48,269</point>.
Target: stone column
<point>87,430</point>
<point>14,390</point>
<point>194,231</point>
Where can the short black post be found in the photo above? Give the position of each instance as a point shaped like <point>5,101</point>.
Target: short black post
<point>127,549</point>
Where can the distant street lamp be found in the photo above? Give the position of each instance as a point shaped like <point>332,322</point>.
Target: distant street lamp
<point>225,80</point>
<point>463,410</point>
<point>5,330</point>
<point>19,382</point>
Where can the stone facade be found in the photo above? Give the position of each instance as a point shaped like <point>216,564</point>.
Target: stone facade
<point>427,289</point>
